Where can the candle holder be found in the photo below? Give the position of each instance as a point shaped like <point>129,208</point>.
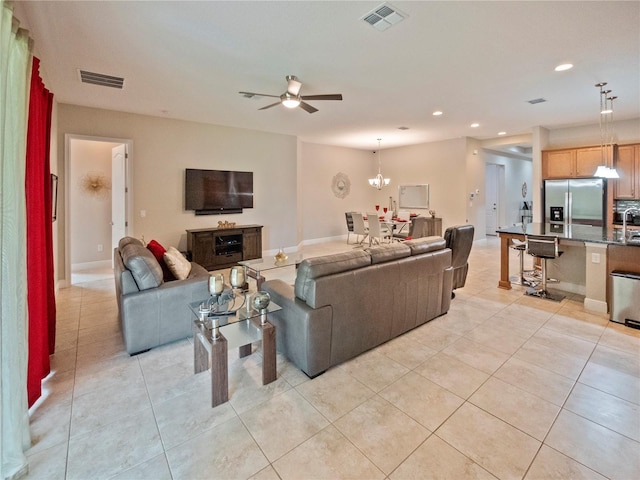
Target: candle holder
<point>216,287</point>
<point>260,301</point>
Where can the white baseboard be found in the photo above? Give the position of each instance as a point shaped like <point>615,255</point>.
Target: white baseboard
<point>595,305</point>
<point>315,241</point>
<point>567,287</point>
<point>91,265</point>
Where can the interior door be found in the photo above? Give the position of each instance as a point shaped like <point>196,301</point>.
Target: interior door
<point>493,198</point>
<point>118,194</point>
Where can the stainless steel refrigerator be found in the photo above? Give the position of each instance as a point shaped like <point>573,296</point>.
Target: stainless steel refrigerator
<point>578,201</point>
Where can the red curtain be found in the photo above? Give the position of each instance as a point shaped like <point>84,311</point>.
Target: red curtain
<point>40,275</point>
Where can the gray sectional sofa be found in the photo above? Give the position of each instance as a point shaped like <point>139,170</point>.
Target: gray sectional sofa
<point>153,312</point>
<point>344,304</point>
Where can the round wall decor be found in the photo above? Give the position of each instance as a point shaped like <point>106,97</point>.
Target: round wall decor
<point>341,185</point>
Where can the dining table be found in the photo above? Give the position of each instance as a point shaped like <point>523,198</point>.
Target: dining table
<point>395,225</point>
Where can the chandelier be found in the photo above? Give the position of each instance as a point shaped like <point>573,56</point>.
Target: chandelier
<point>606,169</point>
<point>379,181</point>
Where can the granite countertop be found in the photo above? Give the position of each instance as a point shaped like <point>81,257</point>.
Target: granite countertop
<point>579,233</point>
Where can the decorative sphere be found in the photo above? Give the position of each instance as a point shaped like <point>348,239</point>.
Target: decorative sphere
<point>261,300</point>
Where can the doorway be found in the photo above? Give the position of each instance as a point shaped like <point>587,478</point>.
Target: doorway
<point>96,198</point>
<point>494,186</point>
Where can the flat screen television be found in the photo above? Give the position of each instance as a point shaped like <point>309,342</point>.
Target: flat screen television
<point>211,192</point>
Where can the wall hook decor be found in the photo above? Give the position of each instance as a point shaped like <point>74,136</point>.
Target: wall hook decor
<point>95,184</point>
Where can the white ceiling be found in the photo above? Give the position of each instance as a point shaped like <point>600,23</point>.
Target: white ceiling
<point>476,61</point>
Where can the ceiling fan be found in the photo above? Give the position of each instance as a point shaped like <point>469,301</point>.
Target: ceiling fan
<point>292,98</point>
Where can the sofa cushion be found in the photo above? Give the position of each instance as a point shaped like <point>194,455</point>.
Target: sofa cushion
<point>158,252</point>
<point>312,268</point>
<point>143,266</point>
<point>177,263</point>
<point>124,241</point>
<point>386,253</point>
<point>425,245</point>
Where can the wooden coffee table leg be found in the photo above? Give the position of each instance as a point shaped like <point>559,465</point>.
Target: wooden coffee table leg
<point>200,353</point>
<point>219,372</point>
<point>268,353</point>
<point>244,350</point>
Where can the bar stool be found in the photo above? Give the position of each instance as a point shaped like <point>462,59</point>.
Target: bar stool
<point>520,247</point>
<point>544,248</point>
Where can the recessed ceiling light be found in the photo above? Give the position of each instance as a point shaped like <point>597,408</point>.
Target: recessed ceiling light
<point>502,133</point>
<point>475,125</point>
<point>563,67</point>
<point>437,113</point>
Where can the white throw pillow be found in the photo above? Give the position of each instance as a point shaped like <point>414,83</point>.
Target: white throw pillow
<point>179,266</point>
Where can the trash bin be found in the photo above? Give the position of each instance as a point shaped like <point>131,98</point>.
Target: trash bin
<point>625,306</point>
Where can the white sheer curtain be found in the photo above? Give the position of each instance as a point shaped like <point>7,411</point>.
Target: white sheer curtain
<point>15,70</point>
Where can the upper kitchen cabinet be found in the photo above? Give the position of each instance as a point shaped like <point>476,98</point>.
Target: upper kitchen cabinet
<point>627,165</point>
<point>571,162</point>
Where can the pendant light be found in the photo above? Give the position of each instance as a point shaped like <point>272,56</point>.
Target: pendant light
<point>606,169</point>
<point>379,181</point>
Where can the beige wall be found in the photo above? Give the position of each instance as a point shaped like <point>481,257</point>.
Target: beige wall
<point>442,165</point>
<point>163,148</point>
<point>323,212</point>
<point>292,179</point>
<point>293,197</point>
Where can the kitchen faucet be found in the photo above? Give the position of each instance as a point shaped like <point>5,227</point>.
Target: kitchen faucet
<point>624,221</point>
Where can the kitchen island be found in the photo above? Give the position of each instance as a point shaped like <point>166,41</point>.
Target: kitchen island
<point>604,251</point>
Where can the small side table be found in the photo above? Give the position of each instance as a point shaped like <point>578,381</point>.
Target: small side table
<point>214,335</point>
<point>253,268</point>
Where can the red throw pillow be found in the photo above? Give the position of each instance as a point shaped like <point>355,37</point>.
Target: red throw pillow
<point>158,252</point>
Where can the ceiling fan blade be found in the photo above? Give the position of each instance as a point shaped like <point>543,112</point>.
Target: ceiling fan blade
<point>269,106</point>
<point>254,94</point>
<point>293,85</point>
<point>308,108</point>
<point>330,96</point>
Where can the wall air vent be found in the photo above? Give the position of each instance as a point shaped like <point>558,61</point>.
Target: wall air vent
<point>383,17</point>
<point>101,79</point>
<point>536,100</point>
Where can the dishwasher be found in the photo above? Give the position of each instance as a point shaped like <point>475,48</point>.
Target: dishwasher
<point>625,307</point>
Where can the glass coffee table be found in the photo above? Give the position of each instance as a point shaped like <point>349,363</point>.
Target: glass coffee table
<point>215,333</point>
<point>253,268</point>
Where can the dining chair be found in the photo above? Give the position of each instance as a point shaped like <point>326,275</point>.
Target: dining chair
<point>376,231</point>
<point>349,219</point>
<point>403,232</point>
<point>359,228</point>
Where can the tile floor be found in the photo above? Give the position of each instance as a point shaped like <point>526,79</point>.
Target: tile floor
<point>503,386</point>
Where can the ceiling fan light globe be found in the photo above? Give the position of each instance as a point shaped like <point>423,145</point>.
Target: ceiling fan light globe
<point>290,101</point>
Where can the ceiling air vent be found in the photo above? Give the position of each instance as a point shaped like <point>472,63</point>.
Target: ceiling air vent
<point>383,17</point>
<point>536,100</point>
<point>101,79</point>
